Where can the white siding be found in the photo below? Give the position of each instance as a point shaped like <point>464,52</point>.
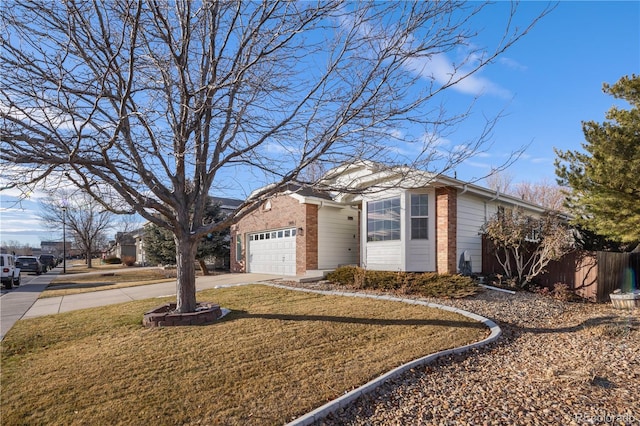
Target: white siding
<point>337,237</point>
<point>472,214</point>
<point>384,255</point>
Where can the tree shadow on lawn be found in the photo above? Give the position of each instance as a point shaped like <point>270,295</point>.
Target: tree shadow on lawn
<point>608,320</point>
<point>239,314</point>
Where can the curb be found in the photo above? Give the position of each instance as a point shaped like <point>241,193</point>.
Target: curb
<point>346,399</point>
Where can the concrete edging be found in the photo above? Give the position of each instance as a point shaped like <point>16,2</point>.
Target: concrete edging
<point>346,399</point>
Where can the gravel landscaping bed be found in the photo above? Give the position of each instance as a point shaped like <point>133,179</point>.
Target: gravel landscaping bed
<point>556,363</point>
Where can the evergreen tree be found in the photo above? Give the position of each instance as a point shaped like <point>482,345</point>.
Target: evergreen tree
<point>160,245</point>
<point>605,181</point>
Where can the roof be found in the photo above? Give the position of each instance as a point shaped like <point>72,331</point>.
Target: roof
<point>367,178</point>
<point>350,183</point>
<point>307,191</point>
<point>227,203</point>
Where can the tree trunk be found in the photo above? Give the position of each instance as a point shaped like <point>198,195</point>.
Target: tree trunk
<point>88,255</point>
<point>203,267</point>
<point>186,280</point>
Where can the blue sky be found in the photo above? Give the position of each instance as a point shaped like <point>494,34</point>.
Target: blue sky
<point>554,77</point>
<point>545,85</point>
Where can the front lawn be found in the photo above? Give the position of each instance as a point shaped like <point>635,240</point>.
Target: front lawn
<point>276,356</point>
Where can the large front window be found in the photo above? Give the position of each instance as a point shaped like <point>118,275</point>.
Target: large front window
<point>383,220</point>
<point>419,217</point>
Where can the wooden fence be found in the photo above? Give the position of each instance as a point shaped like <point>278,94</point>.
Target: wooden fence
<point>591,275</point>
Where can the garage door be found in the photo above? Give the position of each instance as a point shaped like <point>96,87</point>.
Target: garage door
<point>273,252</point>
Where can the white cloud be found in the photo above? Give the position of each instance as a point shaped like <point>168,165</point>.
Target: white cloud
<point>541,160</point>
<point>434,140</point>
<point>512,64</point>
<point>442,70</point>
<point>438,67</point>
<point>477,164</point>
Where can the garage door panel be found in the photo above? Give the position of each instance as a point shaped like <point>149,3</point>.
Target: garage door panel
<point>272,252</point>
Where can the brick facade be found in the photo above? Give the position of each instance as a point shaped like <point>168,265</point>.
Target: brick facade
<point>284,212</point>
<point>446,229</point>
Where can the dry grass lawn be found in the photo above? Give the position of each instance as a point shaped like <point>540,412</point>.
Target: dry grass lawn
<point>276,356</point>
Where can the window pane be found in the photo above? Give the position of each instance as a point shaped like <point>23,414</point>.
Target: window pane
<point>419,228</point>
<point>383,220</point>
<point>239,248</point>
<point>419,205</point>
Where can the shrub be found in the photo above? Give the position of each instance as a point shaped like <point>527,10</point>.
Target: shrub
<point>113,260</point>
<point>562,292</point>
<point>559,291</point>
<point>427,284</point>
<point>344,275</point>
<point>128,260</point>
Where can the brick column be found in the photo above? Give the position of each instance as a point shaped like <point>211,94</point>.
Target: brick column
<point>309,242</point>
<point>446,229</point>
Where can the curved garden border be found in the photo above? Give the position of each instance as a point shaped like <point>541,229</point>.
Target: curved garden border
<point>338,403</point>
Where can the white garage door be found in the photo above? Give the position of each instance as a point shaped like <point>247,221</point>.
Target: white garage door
<point>273,252</point>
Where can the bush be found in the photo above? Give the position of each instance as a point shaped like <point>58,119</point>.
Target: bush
<point>427,284</point>
<point>129,260</point>
<point>562,292</point>
<point>344,275</point>
<point>112,260</point>
<point>559,291</point>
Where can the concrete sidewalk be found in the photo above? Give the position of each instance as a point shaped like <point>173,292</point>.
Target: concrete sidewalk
<point>23,302</point>
<point>15,303</point>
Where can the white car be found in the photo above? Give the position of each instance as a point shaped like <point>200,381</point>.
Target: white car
<point>9,271</point>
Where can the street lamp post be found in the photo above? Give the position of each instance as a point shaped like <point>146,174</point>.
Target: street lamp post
<point>64,240</point>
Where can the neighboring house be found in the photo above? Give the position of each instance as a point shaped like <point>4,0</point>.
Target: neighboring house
<point>123,246</point>
<point>400,220</point>
<point>55,247</point>
<point>141,254</point>
<point>227,205</point>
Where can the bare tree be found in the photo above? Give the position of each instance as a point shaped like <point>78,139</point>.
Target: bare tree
<point>16,247</point>
<point>542,193</point>
<point>499,180</point>
<point>159,103</point>
<point>524,245</point>
<point>85,218</point>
